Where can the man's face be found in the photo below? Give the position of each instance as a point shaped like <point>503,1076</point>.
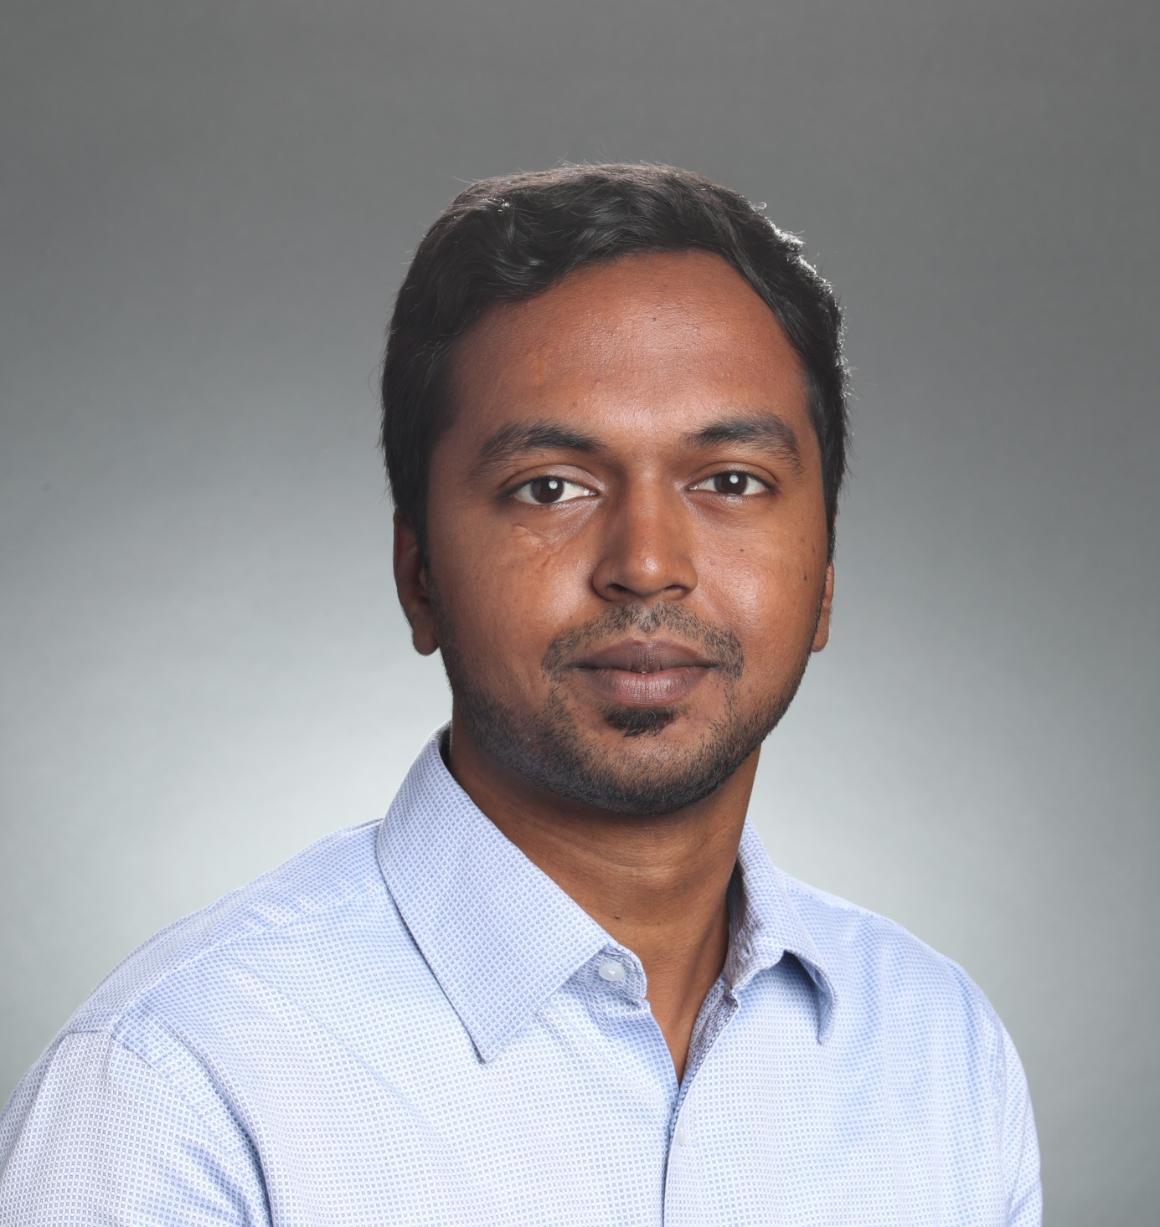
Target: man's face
<point>669,493</point>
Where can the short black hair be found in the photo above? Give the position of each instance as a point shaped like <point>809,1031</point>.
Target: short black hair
<point>509,238</point>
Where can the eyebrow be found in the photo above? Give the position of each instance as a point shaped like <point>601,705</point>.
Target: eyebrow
<point>516,438</point>
<point>763,429</point>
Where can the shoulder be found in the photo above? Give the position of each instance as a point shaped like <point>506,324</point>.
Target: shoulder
<point>931,1033</point>
<point>308,911</point>
<point>890,983</point>
<point>179,1026</point>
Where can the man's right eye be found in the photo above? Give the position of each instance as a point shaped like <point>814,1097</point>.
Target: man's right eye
<point>544,491</point>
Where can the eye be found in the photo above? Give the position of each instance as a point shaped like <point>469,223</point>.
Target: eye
<point>544,491</point>
<point>736,482</point>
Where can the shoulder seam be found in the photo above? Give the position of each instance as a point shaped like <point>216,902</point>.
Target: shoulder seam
<point>160,1075</point>
<point>128,1008</point>
<point>802,890</point>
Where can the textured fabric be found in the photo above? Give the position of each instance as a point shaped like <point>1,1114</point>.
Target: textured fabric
<point>409,1023</point>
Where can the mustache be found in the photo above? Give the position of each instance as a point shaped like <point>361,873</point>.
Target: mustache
<point>718,643</point>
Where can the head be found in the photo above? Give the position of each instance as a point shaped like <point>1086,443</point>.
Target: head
<point>605,332</point>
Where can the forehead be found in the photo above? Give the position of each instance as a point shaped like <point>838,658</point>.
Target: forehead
<point>640,345</point>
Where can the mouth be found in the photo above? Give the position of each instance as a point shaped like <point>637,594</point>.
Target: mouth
<point>645,656</point>
<point>643,672</point>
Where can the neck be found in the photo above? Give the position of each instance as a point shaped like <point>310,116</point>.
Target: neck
<point>658,884</point>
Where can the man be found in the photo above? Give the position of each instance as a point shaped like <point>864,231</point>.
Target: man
<point>561,982</point>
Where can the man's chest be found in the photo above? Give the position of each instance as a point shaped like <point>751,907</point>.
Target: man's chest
<point>581,1123</point>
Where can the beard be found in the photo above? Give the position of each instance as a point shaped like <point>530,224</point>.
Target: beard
<point>547,747</point>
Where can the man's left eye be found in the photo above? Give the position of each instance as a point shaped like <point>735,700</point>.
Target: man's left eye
<point>736,481</point>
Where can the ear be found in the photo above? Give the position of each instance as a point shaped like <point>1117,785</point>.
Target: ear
<point>822,632</point>
<point>411,583</point>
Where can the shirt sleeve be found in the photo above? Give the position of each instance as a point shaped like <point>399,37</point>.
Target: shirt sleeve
<point>1020,1144</point>
<point>95,1135</point>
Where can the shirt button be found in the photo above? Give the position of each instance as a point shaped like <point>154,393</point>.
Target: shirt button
<point>612,971</point>
<point>682,1136</point>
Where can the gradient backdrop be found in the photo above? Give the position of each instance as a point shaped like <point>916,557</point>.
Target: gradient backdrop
<point>206,211</point>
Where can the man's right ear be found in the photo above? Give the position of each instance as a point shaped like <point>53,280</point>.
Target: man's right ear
<point>412,587</point>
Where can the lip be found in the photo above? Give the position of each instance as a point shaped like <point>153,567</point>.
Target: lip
<point>643,672</point>
<point>645,656</point>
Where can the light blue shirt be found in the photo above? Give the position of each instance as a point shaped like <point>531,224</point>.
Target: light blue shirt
<point>410,1023</point>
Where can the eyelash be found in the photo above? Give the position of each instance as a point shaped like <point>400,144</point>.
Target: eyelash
<point>761,481</point>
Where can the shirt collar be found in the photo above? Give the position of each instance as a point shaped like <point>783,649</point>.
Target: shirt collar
<point>765,926</point>
<point>501,937</point>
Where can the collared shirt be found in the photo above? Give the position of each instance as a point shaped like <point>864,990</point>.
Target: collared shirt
<point>410,1023</point>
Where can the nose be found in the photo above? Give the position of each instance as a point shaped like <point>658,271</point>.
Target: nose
<point>645,548</point>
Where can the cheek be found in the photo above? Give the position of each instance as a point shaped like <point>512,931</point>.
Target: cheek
<point>767,594</point>
<point>509,601</point>
<point>523,578</point>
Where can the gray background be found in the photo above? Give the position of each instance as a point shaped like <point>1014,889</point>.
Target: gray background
<point>206,211</point>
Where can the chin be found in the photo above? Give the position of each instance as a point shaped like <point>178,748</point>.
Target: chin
<point>639,721</point>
